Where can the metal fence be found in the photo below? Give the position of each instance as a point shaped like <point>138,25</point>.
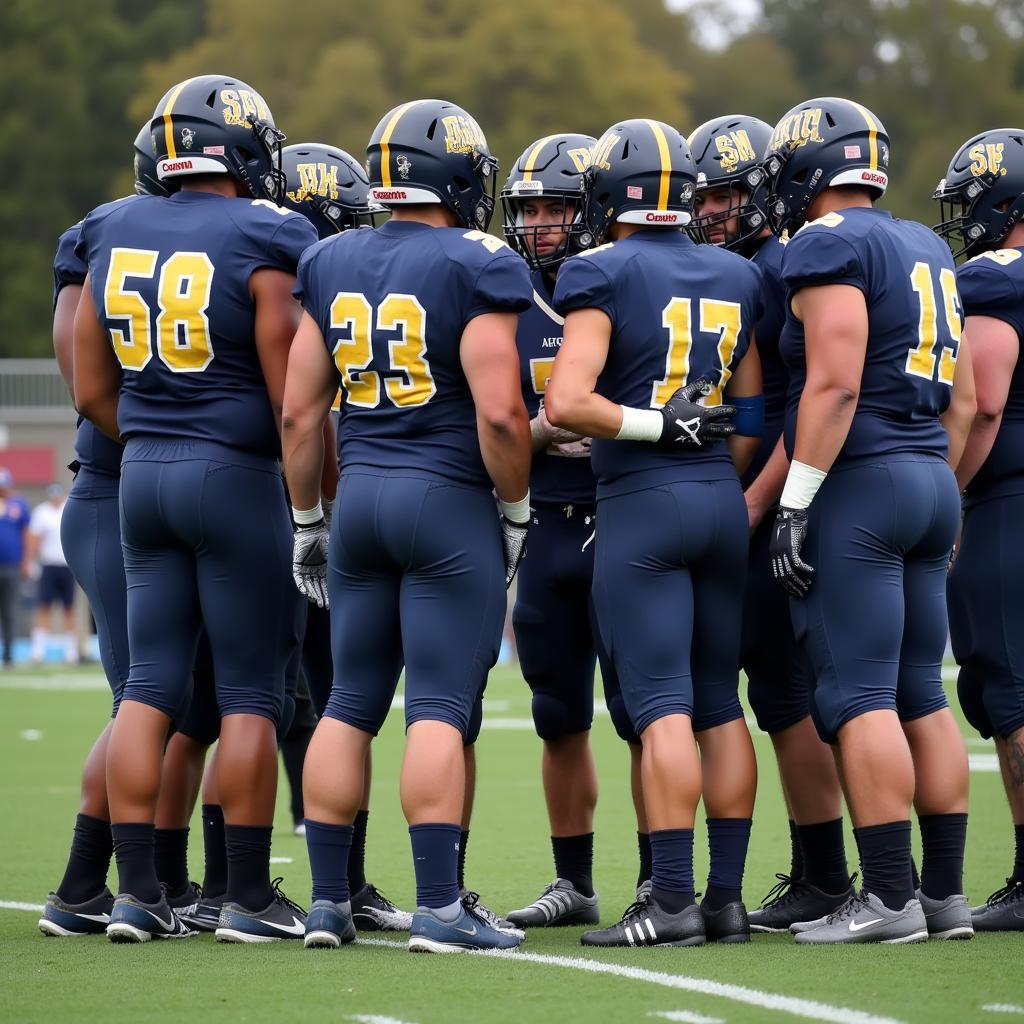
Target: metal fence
<point>33,391</point>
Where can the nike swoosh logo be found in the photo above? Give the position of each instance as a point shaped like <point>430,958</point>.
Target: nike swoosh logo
<point>102,918</point>
<point>297,927</point>
<point>854,927</point>
<point>467,931</point>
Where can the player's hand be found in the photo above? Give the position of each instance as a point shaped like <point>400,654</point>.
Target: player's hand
<point>689,425</point>
<point>574,449</point>
<point>787,539</point>
<point>513,539</point>
<point>544,433</point>
<point>309,562</point>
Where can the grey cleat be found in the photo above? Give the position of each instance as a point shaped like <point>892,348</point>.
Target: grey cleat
<point>947,919</point>
<point>489,917</point>
<point>1003,911</point>
<point>559,905</point>
<point>865,918</point>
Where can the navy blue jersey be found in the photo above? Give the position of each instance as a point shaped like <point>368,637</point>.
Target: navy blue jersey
<point>767,332</point>
<point>554,477</point>
<point>914,323</point>
<point>678,312</point>
<point>993,285</point>
<point>392,305</point>
<point>170,279</point>
<point>93,449</point>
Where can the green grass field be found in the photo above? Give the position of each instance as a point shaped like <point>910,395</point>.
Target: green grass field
<point>50,718</point>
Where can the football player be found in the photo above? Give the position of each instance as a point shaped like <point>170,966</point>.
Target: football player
<point>556,635</point>
<point>982,197</point>
<point>730,212</point>
<point>418,320</point>
<point>653,324</point>
<point>181,342</point>
<point>880,396</point>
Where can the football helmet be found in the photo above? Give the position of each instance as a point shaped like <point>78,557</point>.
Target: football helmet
<point>641,172</point>
<point>550,168</point>
<point>219,125</point>
<point>819,144</point>
<point>986,173</point>
<point>328,187</point>
<point>146,181</point>
<point>727,152</point>
<point>432,151</point>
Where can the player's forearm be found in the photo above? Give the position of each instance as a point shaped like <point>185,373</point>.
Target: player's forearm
<point>767,485</point>
<point>100,408</point>
<point>583,412</point>
<point>329,474</point>
<point>303,447</point>
<point>506,448</point>
<point>823,423</point>
<point>974,449</point>
<point>742,449</point>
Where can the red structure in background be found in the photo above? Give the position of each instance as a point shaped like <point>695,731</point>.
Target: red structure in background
<point>30,465</point>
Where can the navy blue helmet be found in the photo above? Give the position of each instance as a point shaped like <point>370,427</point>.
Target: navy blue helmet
<point>432,151</point>
<point>981,197</point>
<point>550,168</point>
<point>641,172</point>
<point>327,186</point>
<point>820,144</point>
<point>146,181</point>
<point>219,125</point>
<point>727,152</point>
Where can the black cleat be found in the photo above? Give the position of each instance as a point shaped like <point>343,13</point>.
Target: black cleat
<point>372,911</point>
<point>67,919</point>
<point>793,901</point>
<point>645,923</point>
<point>1003,911</point>
<point>280,919</point>
<point>186,903</point>
<point>727,924</point>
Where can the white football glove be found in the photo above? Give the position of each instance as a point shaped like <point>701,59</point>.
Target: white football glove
<point>543,433</point>
<point>309,562</point>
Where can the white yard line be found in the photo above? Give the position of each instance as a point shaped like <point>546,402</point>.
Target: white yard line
<point>983,762</point>
<point>35,908</point>
<point>373,1018</point>
<point>1004,1008</point>
<point>685,1017</point>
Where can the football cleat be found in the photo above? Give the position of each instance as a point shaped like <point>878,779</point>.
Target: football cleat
<point>469,932</point>
<point>186,904</point>
<point>131,920</point>
<point>280,919</point>
<point>727,924</point>
<point>492,919</point>
<point>793,901</point>
<point>329,925</point>
<point>645,923</point>
<point>68,919</point>
<point>947,919</point>
<point>372,911</point>
<point>1003,911</point>
<point>207,914</point>
<point>560,904</point>
<point>865,918</point>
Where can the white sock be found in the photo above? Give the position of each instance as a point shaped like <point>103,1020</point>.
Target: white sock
<point>39,638</point>
<point>70,648</point>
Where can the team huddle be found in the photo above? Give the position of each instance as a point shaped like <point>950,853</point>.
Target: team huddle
<point>723,405</point>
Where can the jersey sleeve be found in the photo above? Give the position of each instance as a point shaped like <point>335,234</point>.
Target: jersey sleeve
<point>502,285</point>
<point>68,267</point>
<point>582,284</point>
<point>278,237</point>
<point>305,289</point>
<point>988,286</point>
<point>819,255</point>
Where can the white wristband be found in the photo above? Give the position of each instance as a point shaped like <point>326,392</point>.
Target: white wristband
<point>306,517</point>
<point>640,425</point>
<point>516,511</point>
<point>802,484</point>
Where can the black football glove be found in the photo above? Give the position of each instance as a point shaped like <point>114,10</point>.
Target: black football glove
<point>690,425</point>
<point>788,535</point>
<point>309,562</point>
<point>513,539</point>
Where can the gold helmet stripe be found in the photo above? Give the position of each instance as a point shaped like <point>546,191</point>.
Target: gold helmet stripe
<point>167,111</point>
<point>531,160</point>
<point>872,134</point>
<point>385,140</point>
<point>666,163</point>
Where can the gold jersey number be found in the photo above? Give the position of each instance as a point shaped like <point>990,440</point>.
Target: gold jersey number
<point>921,359</point>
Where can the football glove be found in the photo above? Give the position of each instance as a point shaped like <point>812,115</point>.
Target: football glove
<point>513,540</point>
<point>543,433</point>
<point>309,562</point>
<point>788,535</point>
<point>690,425</point>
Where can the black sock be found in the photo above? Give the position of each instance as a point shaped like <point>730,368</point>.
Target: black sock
<point>885,862</point>
<point>170,855</point>
<point>728,839</point>
<point>329,847</point>
<point>463,844</point>
<point>248,855</point>
<point>643,842</point>
<point>435,849</point>
<point>824,854</point>
<point>215,879</point>
<point>1018,860</point>
<point>88,862</point>
<point>574,860</point>
<point>915,878</point>
<point>943,838</point>
<point>672,864</point>
<point>796,853</point>
<point>293,753</point>
<point>136,871</point>
<point>357,855</point>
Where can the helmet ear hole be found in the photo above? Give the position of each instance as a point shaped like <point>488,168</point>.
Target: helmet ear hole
<point>800,177</point>
<point>460,183</point>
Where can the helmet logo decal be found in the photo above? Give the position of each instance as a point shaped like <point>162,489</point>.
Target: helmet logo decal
<point>240,103</point>
<point>187,137</point>
<point>319,179</point>
<point>735,148</point>
<point>404,165</point>
<point>602,151</point>
<point>797,130</point>
<point>580,158</point>
<point>462,134</point>
<point>987,158</point>
<point>634,192</point>
<point>851,152</point>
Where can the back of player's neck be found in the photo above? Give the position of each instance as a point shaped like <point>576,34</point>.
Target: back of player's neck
<point>432,216</point>
<point>1015,239</point>
<point>835,200</point>
<point>218,186</point>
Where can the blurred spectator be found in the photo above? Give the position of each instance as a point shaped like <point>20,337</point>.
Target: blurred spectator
<point>56,584</point>
<point>14,519</point>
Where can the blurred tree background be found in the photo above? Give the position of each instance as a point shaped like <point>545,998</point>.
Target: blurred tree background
<point>79,79</point>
